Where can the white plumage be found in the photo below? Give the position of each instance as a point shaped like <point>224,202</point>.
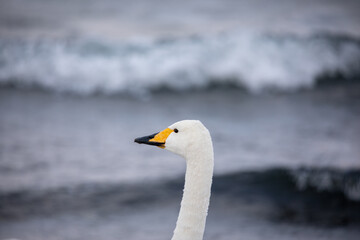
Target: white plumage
<point>191,140</point>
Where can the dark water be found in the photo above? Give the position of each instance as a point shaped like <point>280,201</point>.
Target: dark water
<point>286,163</point>
<point>242,203</point>
<point>274,189</point>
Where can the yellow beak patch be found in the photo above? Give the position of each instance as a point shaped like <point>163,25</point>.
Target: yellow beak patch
<point>162,136</point>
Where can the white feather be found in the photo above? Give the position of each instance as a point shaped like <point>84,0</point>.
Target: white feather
<point>193,142</point>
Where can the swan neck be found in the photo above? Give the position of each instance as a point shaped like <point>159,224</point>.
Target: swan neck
<point>195,202</point>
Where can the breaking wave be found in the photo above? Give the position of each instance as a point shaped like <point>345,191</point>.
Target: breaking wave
<point>325,196</point>
<point>252,61</point>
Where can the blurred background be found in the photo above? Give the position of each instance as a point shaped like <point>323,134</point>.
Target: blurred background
<point>276,83</point>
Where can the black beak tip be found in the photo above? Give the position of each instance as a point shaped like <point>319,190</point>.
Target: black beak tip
<point>146,139</point>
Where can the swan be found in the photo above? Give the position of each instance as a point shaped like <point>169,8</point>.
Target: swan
<point>191,140</point>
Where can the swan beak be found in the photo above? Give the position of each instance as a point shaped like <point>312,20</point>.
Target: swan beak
<point>156,139</point>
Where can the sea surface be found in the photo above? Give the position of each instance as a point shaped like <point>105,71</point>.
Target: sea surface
<point>286,163</point>
<point>278,86</point>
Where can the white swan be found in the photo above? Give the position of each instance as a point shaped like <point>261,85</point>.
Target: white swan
<point>191,140</point>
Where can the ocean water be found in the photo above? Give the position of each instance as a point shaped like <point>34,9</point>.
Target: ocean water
<point>278,88</point>
<point>286,163</point>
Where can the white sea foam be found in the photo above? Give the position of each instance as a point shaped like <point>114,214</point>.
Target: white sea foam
<point>253,61</point>
<point>329,180</point>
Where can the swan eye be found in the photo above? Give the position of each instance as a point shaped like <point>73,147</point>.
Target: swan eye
<point>176,130</point>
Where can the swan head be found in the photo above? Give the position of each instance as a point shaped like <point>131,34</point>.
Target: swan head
<point>182,137</point>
